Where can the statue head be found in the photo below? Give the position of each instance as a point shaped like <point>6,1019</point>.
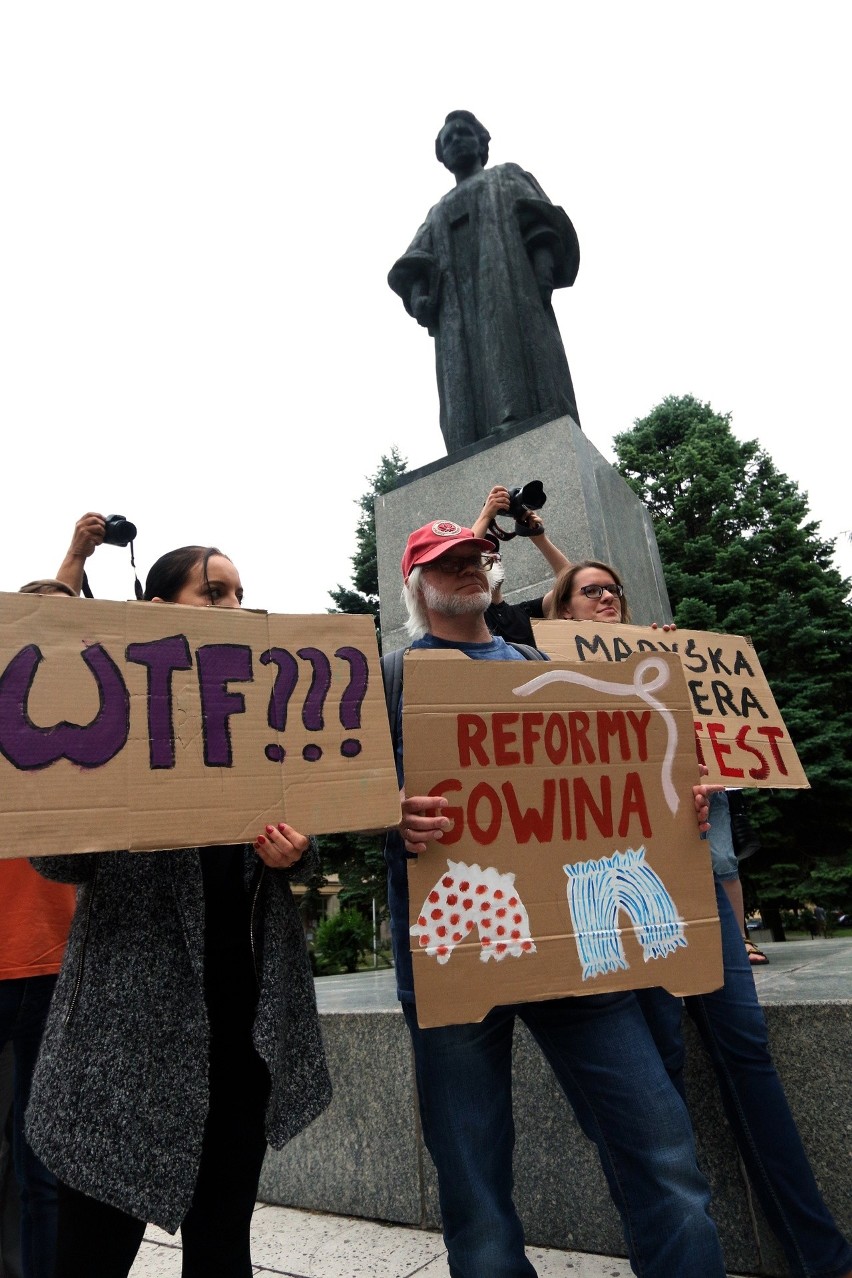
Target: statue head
<point>462,140</point>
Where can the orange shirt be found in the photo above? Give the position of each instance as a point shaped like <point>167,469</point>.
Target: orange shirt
<point>35,916</point>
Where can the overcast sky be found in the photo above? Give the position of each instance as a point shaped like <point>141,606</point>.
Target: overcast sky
<point>201,203</point>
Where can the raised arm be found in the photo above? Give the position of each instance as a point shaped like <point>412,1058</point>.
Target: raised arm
<point>556,560</point>
<point>88,535</point>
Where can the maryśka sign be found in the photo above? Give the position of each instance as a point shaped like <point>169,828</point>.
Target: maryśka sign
<point>574,863</point>
<point>739,732</point>
<point>144,726</point>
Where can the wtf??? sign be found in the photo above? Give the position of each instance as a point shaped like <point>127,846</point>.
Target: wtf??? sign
<point>149,726</point>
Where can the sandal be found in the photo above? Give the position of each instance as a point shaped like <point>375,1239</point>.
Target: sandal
<point>755,956</point>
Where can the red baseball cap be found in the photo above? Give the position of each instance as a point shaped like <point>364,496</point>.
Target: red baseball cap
<point>435,539</point>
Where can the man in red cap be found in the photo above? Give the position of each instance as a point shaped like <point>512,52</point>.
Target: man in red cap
<point>598,1046</point>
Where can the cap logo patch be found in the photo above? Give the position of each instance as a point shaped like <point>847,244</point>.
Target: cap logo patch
<point>446,528</point>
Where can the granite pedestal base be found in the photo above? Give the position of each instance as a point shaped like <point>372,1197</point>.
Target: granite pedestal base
<point>365,1157</point>
<point>591,513</point>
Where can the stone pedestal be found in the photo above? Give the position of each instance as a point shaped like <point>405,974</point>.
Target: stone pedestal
<point>591,513</point>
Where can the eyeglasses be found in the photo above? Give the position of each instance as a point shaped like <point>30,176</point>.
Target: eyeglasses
<point>595,592</point>
<point>455,567</point>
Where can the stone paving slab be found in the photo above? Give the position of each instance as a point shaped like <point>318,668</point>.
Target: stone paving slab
<point>798,971</point>
<point>297,1244</point>
<point>805,972</point>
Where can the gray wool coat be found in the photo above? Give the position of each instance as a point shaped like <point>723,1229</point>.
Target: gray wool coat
<point>120,1092</point>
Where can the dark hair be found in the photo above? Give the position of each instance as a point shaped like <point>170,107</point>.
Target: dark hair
<point>564,588</point>
<point>481,132</point>
<point>170,573</point>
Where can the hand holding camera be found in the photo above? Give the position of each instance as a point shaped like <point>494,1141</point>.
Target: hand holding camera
<point>90,531</point>
<point>523,502</point>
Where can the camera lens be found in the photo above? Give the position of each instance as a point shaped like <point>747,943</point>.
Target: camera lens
<point>118,531</point>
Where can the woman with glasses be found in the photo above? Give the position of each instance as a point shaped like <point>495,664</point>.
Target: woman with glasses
<point>589,591</point>
<point>732,1027</point>
<point>183,1033</point>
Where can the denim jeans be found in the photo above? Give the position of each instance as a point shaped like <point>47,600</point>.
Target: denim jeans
<point>733,1029</point>
<point>605,1061</point>
<point>23,1009</point>
<point>720,838</point>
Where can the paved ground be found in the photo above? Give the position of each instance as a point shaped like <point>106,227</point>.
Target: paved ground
<point>310,1245</point>
<point>797,972</point>
<point>805,971</point>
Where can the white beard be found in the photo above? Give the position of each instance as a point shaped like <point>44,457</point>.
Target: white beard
<point>454,605</point>
<point>496,576</point>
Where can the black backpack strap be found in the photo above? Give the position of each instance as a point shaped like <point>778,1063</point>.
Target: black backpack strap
<point>392,676</point>
<point>529,652</point>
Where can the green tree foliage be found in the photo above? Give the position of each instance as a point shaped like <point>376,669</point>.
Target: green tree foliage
<point>357,859</point>
<point>340,941</point>
<point>830,885</point>
<point>359,863</point>
<point>363,595</point>
<point>741,554</point>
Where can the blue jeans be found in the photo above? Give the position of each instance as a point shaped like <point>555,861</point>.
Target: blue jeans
<point>720,838</point>
<point>23,1010</point>
<point>605,1061</point>
<point>733,1029</point>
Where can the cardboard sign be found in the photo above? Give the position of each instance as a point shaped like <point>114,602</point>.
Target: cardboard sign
<point>125,725</point>
<point>738,727</point>
<point>574,863</point>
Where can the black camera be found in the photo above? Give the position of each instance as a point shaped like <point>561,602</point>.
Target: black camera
<point>530,497</point>
<point>118,531</point>
<point>522,500</point>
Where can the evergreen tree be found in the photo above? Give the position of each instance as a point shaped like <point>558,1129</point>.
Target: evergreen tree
<point>359,863</point>
<point>357,859</point>
<point>741,555</point>
<point>363,595</point>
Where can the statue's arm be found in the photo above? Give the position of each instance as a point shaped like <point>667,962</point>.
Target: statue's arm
<point>549,237</point>
<point>543,261</point>
<point>415,278</point>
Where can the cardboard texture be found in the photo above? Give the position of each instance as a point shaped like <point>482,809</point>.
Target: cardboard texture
<point>162,726</point>
<point>574,863</point>
<point>738,727</point>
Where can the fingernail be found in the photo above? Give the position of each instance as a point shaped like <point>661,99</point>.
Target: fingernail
<point>281,827</point>
<point>260,839</point>
<point>269,829</point>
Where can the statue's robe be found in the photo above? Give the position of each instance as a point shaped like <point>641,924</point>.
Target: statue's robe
<point>498,353</point>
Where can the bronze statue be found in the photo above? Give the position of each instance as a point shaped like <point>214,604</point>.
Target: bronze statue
<point>479,276</point>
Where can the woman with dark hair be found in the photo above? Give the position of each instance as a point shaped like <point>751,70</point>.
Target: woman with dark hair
<point>184,576</point>
<point>731,1025</point>
<point>183,1034</point>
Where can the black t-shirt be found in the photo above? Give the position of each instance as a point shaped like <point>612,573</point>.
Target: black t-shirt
<point>512,621</point>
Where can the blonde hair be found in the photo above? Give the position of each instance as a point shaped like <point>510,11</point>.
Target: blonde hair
<point>47,586</point>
